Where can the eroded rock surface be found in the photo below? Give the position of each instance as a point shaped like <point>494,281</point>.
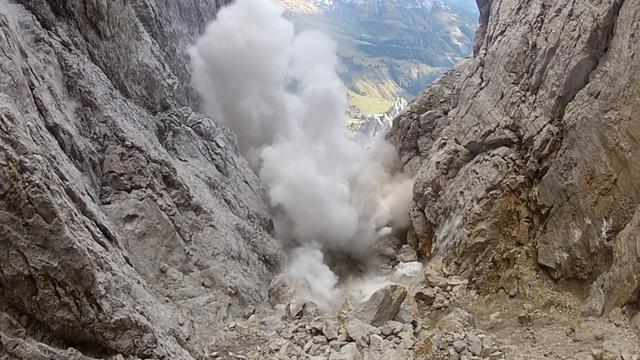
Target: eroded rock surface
<point>129,223</point>
<point>525,154</point>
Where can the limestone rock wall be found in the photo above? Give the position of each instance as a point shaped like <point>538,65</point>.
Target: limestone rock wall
<point>129,223</point>
<point>528,149</point>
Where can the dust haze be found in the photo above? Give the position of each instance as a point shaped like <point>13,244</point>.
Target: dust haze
<point>280,92</point>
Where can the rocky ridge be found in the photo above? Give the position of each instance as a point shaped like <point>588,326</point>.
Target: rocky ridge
<point>524,154</point>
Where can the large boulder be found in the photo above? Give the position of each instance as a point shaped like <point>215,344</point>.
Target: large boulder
<point>382,306</point>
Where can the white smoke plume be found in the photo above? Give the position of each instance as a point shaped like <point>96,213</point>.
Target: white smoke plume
<point>280,92</point>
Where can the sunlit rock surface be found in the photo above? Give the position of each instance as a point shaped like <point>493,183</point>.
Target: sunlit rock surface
<point>525,155</point>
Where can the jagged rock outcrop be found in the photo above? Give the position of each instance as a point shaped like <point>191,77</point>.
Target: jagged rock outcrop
<point>129,223</point>
<point>528,149</point>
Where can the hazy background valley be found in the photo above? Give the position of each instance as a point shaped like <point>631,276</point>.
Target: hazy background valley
<point>390,49</point>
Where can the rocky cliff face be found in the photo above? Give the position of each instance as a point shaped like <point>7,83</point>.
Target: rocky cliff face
<point>525,155</point>
<point>129,223</point>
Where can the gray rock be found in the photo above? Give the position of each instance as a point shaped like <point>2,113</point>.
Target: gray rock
<point>382,306</point>
<point>635,321</point>
<point>359,331</point>
<point>409,274</point>
<point>425,299</point>
<point>523,145</point>
<point>459,346</point>
<point>436,280</point>
<point>524,318</point>
<point>129,222</point>
<point>320,339</point>
<point>376,342</point>
<point>297,309</point>
<point>279,291</point>
<point>347,352</point>
<point>390,327</point>
<point>330,330</point>
<point>407,254</point>
<point>475,344</point>
<point>405,313</point>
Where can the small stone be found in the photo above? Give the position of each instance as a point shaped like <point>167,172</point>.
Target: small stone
<point>597,354</point>
<point>407,254</point>
<point>342,337</point>
<point>336,345</point>
<point>459,345</point>
<point>330,331</point>
<point>350,352</point>
<point>407,343</point>
<point>376,341</point>
<point>307,346</point>
<point>440,301</point>
<point>475,344</point>
<point>320,339</point>
<point>488,346</point>
<point>388,328</point>
<point>524,318</point>
<point>456,280</point>
<point>636,322</point>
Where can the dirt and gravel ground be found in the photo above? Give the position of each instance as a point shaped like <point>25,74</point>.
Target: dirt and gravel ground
<point>457,322</point>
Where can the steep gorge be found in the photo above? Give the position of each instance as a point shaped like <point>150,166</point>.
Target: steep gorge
<point>131,225</point>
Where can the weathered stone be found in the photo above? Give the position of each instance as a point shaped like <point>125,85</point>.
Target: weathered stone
<point>359,331</point>
<point>297,309</point>
<point>409,274</point>
<point>535,149</point>
<point>390,327</point>
<point>635,321</point>
<point>382,306</point>
<point>407,254</point>
<point>475,344</point>
<point>459,346</point>
<point>376,341</point>
<point>524,318</point>
<point>347,352</point>
<point>279,291</point>
<point>436,280</point>
<point>330,330</point>
<point>129,222</point>
<point>425,299</point>
<point>405,313</point>
<point>597,354</point>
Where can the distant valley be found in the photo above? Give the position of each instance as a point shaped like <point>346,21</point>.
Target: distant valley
<point>390,48</point>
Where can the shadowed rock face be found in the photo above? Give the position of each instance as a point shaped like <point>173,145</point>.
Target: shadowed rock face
<point>129,223</point>
<point>528,150</point>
